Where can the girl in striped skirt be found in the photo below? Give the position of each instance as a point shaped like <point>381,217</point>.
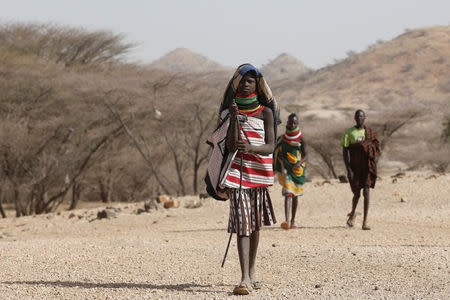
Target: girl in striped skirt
<point>251,140</point>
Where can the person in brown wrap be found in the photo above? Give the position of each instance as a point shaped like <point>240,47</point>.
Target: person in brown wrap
<point>360,151</point>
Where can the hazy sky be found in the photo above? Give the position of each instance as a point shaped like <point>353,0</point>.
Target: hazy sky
<point>232,32</point>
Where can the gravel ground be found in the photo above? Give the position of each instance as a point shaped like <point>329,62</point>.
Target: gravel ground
<point>176,253</point>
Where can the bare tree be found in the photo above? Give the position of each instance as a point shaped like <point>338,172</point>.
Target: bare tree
<point>57,141</point>
<point>179,161</point>
<point>76,191</point>
<point>64,45</point>
<point>327,154</point>
<point>324,140</point>
<point>142,146</point>
<point>180,128</point>
<point>437,152</point>
<point>2,192</point>
<point>204,120</point>
<point>387,123</point>
<point>446,131</point>
<point>47,134</point>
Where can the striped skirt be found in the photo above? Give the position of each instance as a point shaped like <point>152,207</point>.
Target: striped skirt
<point>252,211</point>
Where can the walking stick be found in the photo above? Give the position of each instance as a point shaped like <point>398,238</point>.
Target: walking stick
<point>226,251</point>
<point>240,197</point>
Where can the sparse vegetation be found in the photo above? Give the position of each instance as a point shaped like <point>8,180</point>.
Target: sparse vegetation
<point>76,122</point>
<point>420,76</point>
<point>63,45</point>
<point>406,68</point>
<point>446,131</point>
<point>364,69</point>
<point>324,150</point>
<point>293,107</point>
<point>376,78</point>
<point>387,123</point>
<point>439,60</point>
<point>351,53</point>
<point>59,140</point>
<point>444,86</point>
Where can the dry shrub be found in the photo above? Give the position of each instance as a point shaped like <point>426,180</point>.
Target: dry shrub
<point>53,120</point>
<point>444,86</point>
<point>439,60</point>
<point>406,68</point>
<point>446,130</point>
<point>63,45</point>
<point>293,107</point>
<point>437,157</point>
<point>398,55</point>
<point>318,80</point>
<point>351,53</point>
<point>420,76</point>
<point>174,146</point>
<point>304,77</point>
<point>364,69</point>
<point>323,146</point>
<point>392,120</point>
<point>376,78</point>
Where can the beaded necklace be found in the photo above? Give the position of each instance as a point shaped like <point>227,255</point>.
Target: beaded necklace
<point>293,135</point>
<point>248,106</point>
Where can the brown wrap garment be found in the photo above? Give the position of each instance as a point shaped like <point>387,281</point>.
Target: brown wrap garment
<point>363,158</point>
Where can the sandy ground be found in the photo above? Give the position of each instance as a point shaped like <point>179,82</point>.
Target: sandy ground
<point>176,253</point>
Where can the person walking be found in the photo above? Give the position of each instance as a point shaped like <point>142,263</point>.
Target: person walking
<point>289,161</point>
<point>240,167</point>
<point>360,151</point>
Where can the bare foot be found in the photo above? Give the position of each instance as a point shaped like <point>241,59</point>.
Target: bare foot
<point>256,285</point>
<point>365,227</point>
<point>351,220</point>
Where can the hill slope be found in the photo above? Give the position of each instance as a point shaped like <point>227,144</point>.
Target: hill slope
<point>282,67</point>
<point>415,66</point>
<point>182,59</point>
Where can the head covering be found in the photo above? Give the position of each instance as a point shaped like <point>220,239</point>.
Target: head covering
<point>262,88</point>
<point>264,93</point>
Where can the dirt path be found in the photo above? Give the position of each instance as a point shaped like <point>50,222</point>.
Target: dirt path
<point>176,253</point>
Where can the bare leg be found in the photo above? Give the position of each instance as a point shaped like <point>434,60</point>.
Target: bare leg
<point>254,241</point>
<point>287,207</point>
<point>351,215</point>
<point>294,209</point>
<point>243,244</point>
<point>366,194</point>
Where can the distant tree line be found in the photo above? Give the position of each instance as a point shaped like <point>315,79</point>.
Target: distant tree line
<point>73,116</point>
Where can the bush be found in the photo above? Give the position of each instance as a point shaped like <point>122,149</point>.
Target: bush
<point>63,45</point>
<point>364,69</point>
<point>406,68</point>
<point>444,86</point>
<point>446,131</point>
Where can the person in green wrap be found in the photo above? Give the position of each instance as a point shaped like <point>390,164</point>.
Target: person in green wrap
<point>289,161</point>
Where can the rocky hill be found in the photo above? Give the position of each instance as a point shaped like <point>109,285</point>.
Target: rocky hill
<point>284,66</point>
<point>184,60</point>
<point>414,67</point>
